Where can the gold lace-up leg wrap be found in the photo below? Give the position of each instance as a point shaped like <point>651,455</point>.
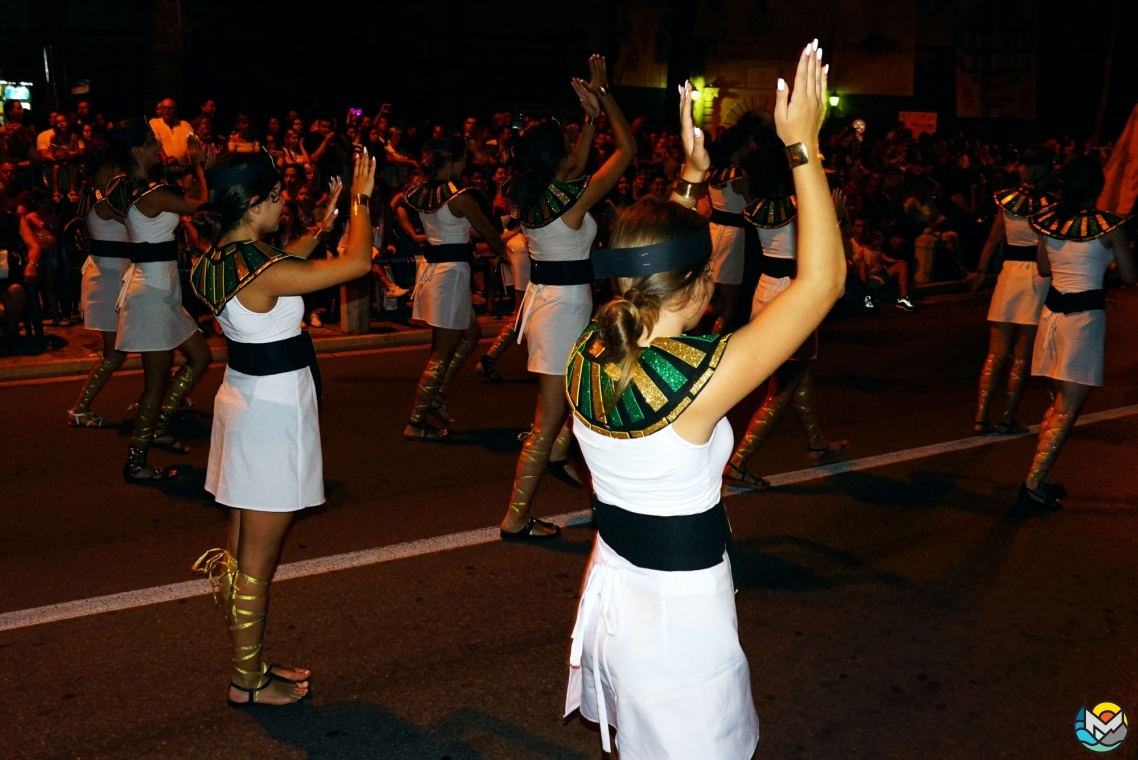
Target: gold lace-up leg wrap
<point>989,379</point>
<point>461,351</point>
<point>145,420</point>
<point>1017,381</point>
<point>762,424</point>
<point>1052,433</point>
<point>806,410</point>
<point>219,566</point>
<point>248,602</point>
<point>531,465</point>
<point>100,374</point>
<point>179,386</point>
<point>429,384</point>
<point>564,440</point>
<point>503,341</point>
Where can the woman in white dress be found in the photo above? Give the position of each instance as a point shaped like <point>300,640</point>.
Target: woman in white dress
<point>152,320</point>
<point>1079,243</point>
<point>103,272</point>
<point>728,191</point>
<point>1020,289</point>
<point>655,651</point>
<point>515,273</point>
<point>552,199</point>
<point>265,459</point>
<point>442,289</point>
<point>774,214</point>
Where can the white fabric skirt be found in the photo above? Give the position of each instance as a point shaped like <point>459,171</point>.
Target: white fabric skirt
<point>766,291</point>
<point>442,296</point>
<point>656,655</point>
<point>727,254</point>
<point>102,281</point>
<point>1070,347</point>
<point>515,273</point>
<point>151,316</point>
<point>1019,294</point>
<point>551,319</point>
<point>264,452</point>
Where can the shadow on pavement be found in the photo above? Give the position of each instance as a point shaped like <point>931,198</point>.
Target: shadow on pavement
<point>920,491</point>
<point>822,567</point>
<point>496,440</point>
<point>360,730</point>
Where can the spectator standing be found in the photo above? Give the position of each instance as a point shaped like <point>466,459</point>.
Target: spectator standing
<point>172,132</point>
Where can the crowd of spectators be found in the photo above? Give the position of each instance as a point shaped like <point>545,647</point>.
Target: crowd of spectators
<point>914,206</point>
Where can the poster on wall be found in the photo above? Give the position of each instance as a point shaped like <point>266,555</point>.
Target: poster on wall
<point>996,60</point>
<point>918,122</point>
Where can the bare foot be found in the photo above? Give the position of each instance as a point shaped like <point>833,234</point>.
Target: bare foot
<point>296,675</point>
<point>275,692</point>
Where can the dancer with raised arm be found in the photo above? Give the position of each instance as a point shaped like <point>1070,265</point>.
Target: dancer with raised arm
<point>152,320</point>
<point>1020,289</point>
<point>1079,243</point>
<point>655,651</point>
<point>728,190</point>
<point>518,261</point>
<point>775,215</point>
<point>442,292</point>
<point>552,200</point>
<point>265,459</point>
<point>103,272</point>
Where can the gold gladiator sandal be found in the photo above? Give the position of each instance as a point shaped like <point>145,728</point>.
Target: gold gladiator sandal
<point>806,410</point>
<point>429,383</point>
<point>531,464</point>
<point>248,620</point>
<point>501,343</point>
<point>179,386</point>
<point>1035,491</point>
<point>762,424</point>
<point>1017,381</point>
<point>81,415</point>
<point>989,379</point>
<point>144,419</point>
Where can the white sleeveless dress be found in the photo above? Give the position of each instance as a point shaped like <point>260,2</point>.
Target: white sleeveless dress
<point>265,450</point>
<point>516,272</point>
<point>780,243</point>
<point>1020,290</point>
<point>103,276</point>
<point>1070,346</point>
<point>656,654</point>
<point>442,291</point>
<point>727,242</point>
<point>151,315</point>
<point>553,317</point>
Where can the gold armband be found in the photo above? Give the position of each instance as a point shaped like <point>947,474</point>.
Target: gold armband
<point>689,190</point>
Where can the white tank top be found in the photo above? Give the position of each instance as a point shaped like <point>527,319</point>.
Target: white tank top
<point>1076,266</point>
<point>659,474</point>
<point>106,229</point>
<point>143,229</point>
<point>1018,230</point>
<point>726,199</point>
<point>557,241</point>
<point>780,243</point>
<point>245,326</point>
<point>444,228</point>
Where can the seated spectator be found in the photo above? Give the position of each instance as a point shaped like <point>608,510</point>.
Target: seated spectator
<point>293,151</point>
<point>640,186</point>
<point>921,209</point>
<point>875,268</point>
<point>64,154</point>
<point>243,139</point>
<point>292,179</point>
<point>13,298</point>
<point>659,186</point>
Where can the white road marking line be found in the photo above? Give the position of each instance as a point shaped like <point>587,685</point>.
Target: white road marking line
<point>158,594</point>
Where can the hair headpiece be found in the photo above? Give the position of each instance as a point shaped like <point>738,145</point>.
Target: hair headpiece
<point>644,260</point>
<point>221,178</point>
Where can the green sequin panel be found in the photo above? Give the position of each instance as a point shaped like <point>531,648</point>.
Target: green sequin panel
<point>631,406</point>
<point>670,375</point>
<point>607,394</point>
<point>585,396</point>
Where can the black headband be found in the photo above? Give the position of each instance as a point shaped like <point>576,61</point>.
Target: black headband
<point>221,178</point>
<point>454,145</point>
<point>644,260</point>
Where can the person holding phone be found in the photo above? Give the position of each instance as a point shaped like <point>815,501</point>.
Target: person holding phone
<point>265,458</point>
<point>655,652</point>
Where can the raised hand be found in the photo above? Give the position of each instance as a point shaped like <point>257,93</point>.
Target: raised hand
<point>598,70</point>
<point>363,175</point>
<point>588,100</point>
<point>335,187</point>
<point>695,154</point>
<point>798,115</point>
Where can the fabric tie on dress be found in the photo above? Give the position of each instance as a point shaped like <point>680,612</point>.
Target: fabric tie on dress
<point>602,594</point>
<point>126,279</point>
<point>535,295</point>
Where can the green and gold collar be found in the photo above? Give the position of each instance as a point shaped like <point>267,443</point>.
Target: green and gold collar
<point>1080,226</point>
<point>123,191</point>
<point>725,176</point>
<point>772,213</point>
<point>1024,201</point>
<point>554,201</point>
<point>666,379</point>
<point>431,195</point>
<point>221,273</point>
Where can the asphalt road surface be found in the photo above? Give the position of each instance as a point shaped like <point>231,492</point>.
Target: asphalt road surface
<point>895,611</point>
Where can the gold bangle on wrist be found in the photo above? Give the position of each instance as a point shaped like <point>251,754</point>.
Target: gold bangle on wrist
<point>362,200</point>
<point>690,190</point>
<point>602,91</point>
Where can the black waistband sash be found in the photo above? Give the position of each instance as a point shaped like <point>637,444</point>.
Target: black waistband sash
<point>1073,303</point>
<point>727,219</point>
<point>561,272</point>
<point>778,268</point>
<point>276,358</point>
<point>1019,252</point>
<point>111,249</point>
<point>449,253</point>
<point>148,253</point>
<point>682,542</point>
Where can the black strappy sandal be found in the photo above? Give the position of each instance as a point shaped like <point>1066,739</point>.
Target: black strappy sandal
<point>754,484</point>
<point>526,534</point>
<point>165,440</point>
<point>1041,502</point>
<point>1054,489</point>
<point>486,369</point>
<point>253,692</point>
<point>136,463</point>
<point>424,431</point>
<point>982,428</point>
<point>1010,428</point>
<point>820,456</point>
<point>557,470</point>
<point>268,671</point>
<point>439,410</point>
